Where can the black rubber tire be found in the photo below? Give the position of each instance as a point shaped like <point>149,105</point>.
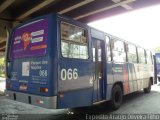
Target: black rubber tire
<point>117,97</point>
<point>148,89</point>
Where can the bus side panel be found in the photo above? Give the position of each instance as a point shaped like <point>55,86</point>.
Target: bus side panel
<point>137,74</point>
<point>110,80</point>
<point>132,77</point>
<point>141,76</point>
<point>75,76</point>
<point>75,98</point>
<point>146,75</point>
<point>121,75</point>
<point>75,83</point>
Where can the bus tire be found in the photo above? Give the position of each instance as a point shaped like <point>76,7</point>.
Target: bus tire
<point>117,97</point>
<point>148,89</point>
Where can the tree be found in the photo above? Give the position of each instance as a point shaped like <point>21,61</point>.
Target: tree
<point>2,67</point>
<point>157,50</point>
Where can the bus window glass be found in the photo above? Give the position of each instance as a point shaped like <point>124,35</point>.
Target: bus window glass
<point>119,54</point>
<point>108,49</point>
<point>132,54</point>
<point>141,55</point>
<point>99,54</point>
<point>158,59</point>
<point>149,57</point>
<point>73,41</point>
<point>93,49</point>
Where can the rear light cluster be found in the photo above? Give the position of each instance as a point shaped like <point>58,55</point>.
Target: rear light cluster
<point>39,101</point>
<point>44,90</point>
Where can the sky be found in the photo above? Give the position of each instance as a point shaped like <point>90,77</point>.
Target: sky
<point>138,26</point>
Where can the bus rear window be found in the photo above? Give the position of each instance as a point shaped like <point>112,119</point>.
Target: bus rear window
<point>30,39</point>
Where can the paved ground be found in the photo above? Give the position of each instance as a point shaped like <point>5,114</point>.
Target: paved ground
<point>136,103</point>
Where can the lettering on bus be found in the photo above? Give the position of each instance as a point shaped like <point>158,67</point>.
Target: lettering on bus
<point>37,65</point>
<point>35,69</point>
<point>69,74</point>
<point>117,69</point>
<point>14,76</point>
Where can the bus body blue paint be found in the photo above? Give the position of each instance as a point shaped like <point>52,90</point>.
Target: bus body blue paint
<point>67,82</point>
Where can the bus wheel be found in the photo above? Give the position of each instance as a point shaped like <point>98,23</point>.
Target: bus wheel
<point>117,97</point>
<point>148,89</point>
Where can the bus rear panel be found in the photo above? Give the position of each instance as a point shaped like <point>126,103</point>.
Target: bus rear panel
<point>29,64</point>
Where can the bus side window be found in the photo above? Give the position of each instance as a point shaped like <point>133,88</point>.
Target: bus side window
<point>132,54</point>
<point>141,55</point>
<point>118,51</point>
<point>149,57</point>
<point>158,59</point>
<point>108,49</point>
<point>74,42</point>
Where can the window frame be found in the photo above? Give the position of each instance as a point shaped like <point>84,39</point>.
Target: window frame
<point>72,42</point>
<point>150,55</point>
<point>127,50</point>
<point>112,40</point>
<point>109,44</point>
<point>144,51</point>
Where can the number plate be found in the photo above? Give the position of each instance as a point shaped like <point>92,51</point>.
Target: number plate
<point>23,87</point>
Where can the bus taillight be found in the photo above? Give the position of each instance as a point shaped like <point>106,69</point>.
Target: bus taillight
<point>43,89</point>
<point>39,101</point>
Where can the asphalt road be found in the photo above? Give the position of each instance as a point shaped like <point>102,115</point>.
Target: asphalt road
<point>137,105</point>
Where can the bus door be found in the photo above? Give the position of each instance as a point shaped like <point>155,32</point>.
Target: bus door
<point>98,49</point>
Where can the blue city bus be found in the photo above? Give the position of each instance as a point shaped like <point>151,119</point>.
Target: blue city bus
<point>56,62</point>
<point>157,56</point>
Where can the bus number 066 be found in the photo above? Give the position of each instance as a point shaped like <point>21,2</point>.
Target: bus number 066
<point>69,74</point>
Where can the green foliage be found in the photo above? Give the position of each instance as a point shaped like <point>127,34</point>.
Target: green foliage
<point>2,67</point>
<point>157,50</point>
<point>1,60</point>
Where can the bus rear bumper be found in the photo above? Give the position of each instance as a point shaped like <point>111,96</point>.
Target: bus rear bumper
<point>41,101</point>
